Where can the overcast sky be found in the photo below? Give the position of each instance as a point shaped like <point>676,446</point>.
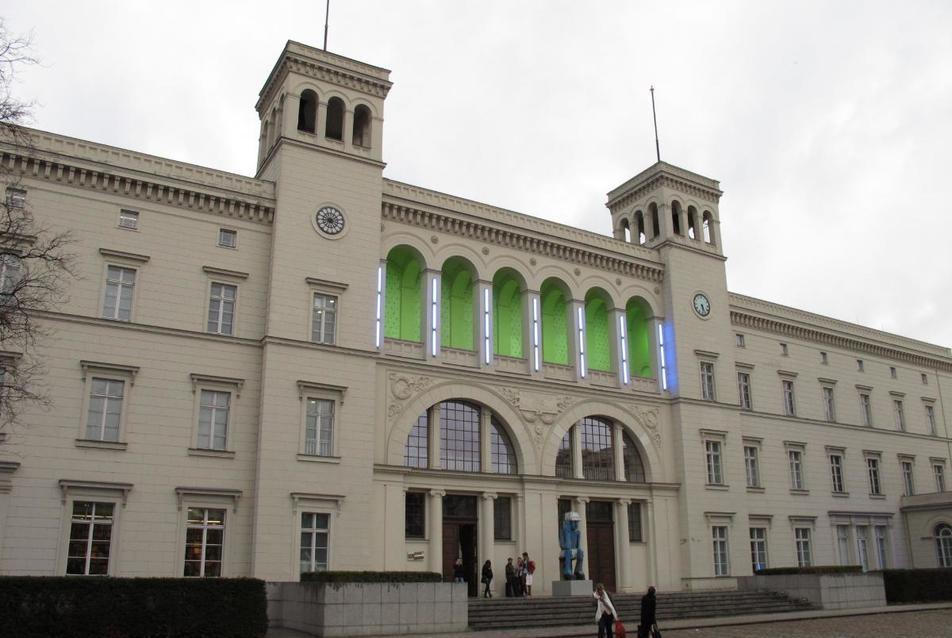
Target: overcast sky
<point>828,124</point>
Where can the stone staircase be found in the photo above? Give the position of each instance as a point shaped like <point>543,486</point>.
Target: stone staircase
<point>511,613</point>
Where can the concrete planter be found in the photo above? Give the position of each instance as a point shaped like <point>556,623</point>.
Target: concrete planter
<point>828,591</point>
<point>368,609</point>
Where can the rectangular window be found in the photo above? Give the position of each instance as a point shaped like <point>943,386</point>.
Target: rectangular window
<point>502,519</point>
<point>120,283</point>
<point>804,551</point>
<point>324,319</point>
<point>90,536</point>
<point>721,557</point>
<point>743,390</point>
<point>10,268</point>
<point>823,358</point>
<point>925,378</point>
<point>707,381</point>
<point>789,400</point>
<point>880,531</point>
<point>16,197</point>
<point>227,238</point>
<point>415,515</point>
<point>315,537</point>
<point>843,544</point>
<point>872,470</point>
<point>213,420</point>
<point>105,410</point>
<point>859,365</point>
<point>713,453</point>
<point>938,470</point>
<point>908,478</point>
<point>319,427</point>
<point>862,546</point>
<point>892,372</point>
<point>752,465</point>
<point>204,542</point>
<point>836,473</point>
<point>796,469</point>
<point>829,404</point>
<point>900,414</point>
<point>221,309</point>
<point>740,341</point>
<point>930,418</point>
<point>129,219</point>
<point>784,351</point>
<point>758,548</point>
<point>866,409</point>
<point>634,523</point>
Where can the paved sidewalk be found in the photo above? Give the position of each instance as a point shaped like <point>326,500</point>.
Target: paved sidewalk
<point>945,620</point>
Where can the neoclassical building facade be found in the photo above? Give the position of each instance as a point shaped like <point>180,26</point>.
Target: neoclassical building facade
<point>321,368</point>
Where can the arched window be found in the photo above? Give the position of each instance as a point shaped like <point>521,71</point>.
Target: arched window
<point>598,453</point>
<point>459,436</point>
<point>507,314</point>
<point>692,223</point>
<point>500,450</point>
<point>555,324</point>
<point>634,467</point>
<point>362,121</point>
<point>597,333</point>
<point>404,295</point>
<point>708,227</point>
<point>307,111</point>
<point>456,313</point>
<point>416,450</point>
<point>640,227</point>
<point>563,460</point>
<point>943,544</point>
<point>637,313</point>
<point>655,222</point>
<point>334,129</point>
<point>625,231</point>
<point>676,217</point>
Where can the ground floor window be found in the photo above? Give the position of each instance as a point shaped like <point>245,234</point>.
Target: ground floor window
<point>721,556</point>
<point>943,541</point>
<point>415,515</point>
<point>204,542</point>
<point>804,551</point>
<point>880,531</point>
<point>315,532</point>
<point>758,548</point>
<point>502,519</point>
<point>634,523</point>
<point>90,536</point>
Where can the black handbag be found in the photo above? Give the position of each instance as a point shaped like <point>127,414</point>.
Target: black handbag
<point>655,632</point>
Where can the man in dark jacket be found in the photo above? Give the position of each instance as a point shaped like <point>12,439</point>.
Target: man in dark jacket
<point>647,613</point>
<point>510,577</point>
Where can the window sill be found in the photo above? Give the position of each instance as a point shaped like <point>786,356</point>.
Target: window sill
<point>103,445</point>
<point>880,497</point>
<point>755,489</point>
<point>720,487</point>
<point>314,458</point>
<point>221,454</point>
<point>799,492</point>
<point>840,494</point>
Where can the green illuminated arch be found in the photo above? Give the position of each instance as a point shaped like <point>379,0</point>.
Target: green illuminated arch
<point>598,330</point>
<point>404,311</point>
<point>507,314</point>
<point>555,325</point>
<point>456,309</point>
<point>638,314</point>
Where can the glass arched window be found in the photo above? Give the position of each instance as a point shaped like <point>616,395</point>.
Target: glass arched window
<point>634,467</point>
<point>456,313</point>
<point>637,312</point>
<point>459,436</point>
<point>416,451</point>
<point>307,111</point>
<point>335,119</point>
<point>500,451</point>
<point>362,126</point>
<point>563,460</point>
<point>597,334</point>
<point>555,325</point>
<point>507,314</point>
<point>404,311</point>
<point>943,544</point>
<point>598,454</point>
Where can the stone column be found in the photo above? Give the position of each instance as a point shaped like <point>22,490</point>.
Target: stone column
<point>434,292</point>
<point>435,518</point>
<point>485,330</point>
<point>648,534</point>
<point>576,437</point>
<point>487,528</point>
<point>433,438</point>
<point>618,450</point>
<point>533,330</point>
<point>624,545</point>
<point>520,521</point>
<point>580,354</point>
<point>485,449</point>
<point>348,132</point>
<point>579,506</point>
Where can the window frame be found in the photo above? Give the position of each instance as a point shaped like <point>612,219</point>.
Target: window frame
<point>497,506</point>
<point>202,383</point>
<point>128,213</point>
<point>803,545</point>
<point>308,390</point>
<point>788,399</point>
<point>313,503</point>
<point>234,312</point>
<point>227,230</point>
<point>313,315</point>
<point>92,370</point>
<point>828,399</point>
<point>136,285</point>
<point>928,407</point>
<point>744,375</point>
<point>98,492</point>
<point>636,506</point>
<point>942,533</point>
<point>755,446</point>
<point>754,552</point>
<point>865,395</point>
<point>722,557</point>
<point>899,411</point>
<point>798,482</point>
<point>708,383</point>
<point>424,515</point>
<point>328,289</point>
<point>840,454</point>
<point>69,506</point>
<point>938,474</point>
<point>907,471</point>
<point>714,468</point>
<point>16,197</point>
<point>874,474</point>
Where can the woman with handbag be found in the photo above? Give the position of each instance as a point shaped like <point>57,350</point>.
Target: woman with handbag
<point>605,613</point>
<point>648,627</point>
<point>487,579</point>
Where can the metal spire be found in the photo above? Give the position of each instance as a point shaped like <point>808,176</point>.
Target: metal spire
<point>654,116</point>
<point>327,13</point>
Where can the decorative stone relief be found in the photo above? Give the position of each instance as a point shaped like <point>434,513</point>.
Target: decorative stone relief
<point>648,418</point>
<point>403,387</point>
<point>538,410</point>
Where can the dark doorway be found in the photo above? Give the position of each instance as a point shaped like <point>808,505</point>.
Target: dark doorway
<point>459,539</point>
<point>600,526</point>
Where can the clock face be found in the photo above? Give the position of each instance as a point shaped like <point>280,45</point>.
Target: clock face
<point>330,220</point>
<point>701,304</point>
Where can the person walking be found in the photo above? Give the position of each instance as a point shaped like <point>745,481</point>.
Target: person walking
<point>605,613</point>
<point>510,576</point>
<point>487,579</point>
<point>648,620</point>
<point>458,574</point>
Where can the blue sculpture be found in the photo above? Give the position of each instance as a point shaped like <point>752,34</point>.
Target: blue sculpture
<point>570,541</point>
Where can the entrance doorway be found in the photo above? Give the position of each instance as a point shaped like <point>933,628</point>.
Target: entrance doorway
<point>459,539</point>
<point>600,526</point>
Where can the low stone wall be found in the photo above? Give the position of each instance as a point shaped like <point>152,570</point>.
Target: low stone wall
<point>368,609</point>
<point>828,591</point>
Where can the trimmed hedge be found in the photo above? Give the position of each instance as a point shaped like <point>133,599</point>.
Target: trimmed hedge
<point>917,585</point>
<point>371,577</point>
<point>104,607</point>
<point>821,569</point>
